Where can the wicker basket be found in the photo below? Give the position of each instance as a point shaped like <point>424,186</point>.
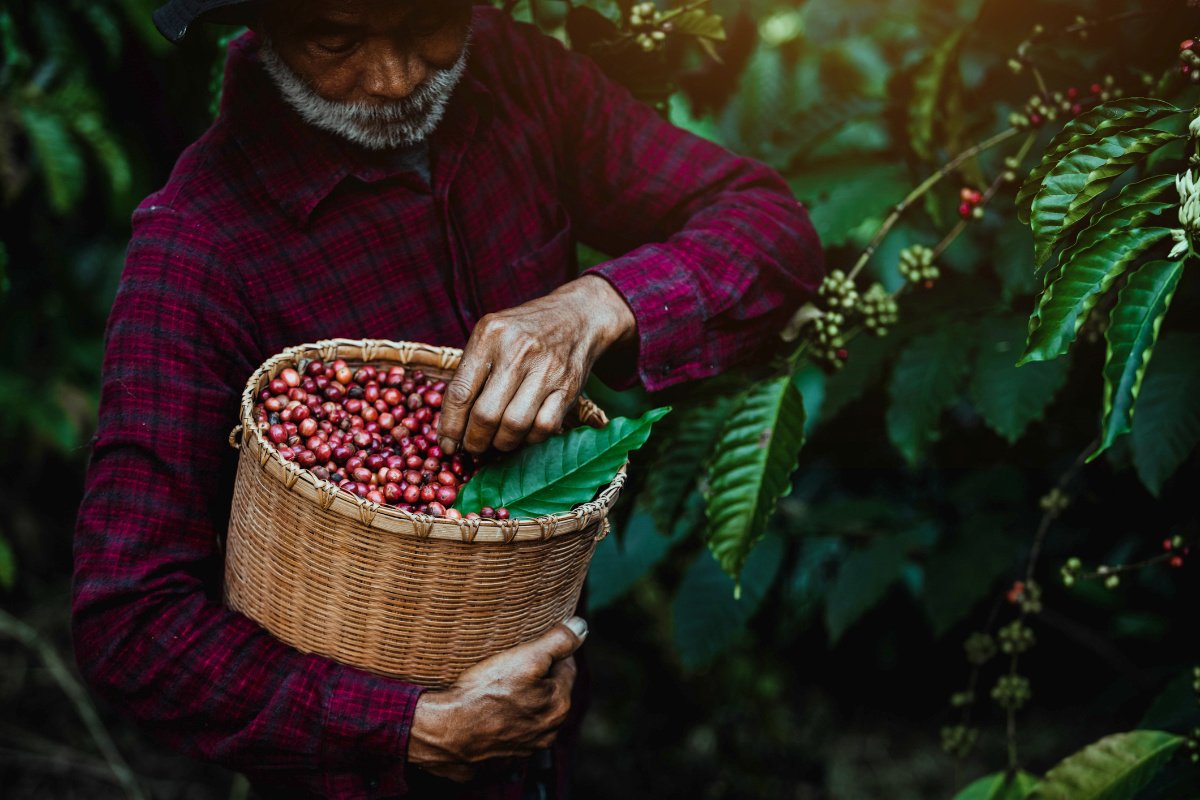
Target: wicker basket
<point>400,594</point>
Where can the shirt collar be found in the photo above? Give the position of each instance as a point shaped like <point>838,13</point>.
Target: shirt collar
<point>298,164</point>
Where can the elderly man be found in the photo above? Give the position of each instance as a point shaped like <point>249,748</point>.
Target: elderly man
<point>400,169</point>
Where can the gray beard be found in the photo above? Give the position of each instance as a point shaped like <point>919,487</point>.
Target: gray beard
<point>376,126</point>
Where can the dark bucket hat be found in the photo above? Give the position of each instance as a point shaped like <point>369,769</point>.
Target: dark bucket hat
<point>175,17</point>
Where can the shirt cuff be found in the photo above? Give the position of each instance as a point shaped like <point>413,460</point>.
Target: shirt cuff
<point>367,724</point>
<point>670,314</point>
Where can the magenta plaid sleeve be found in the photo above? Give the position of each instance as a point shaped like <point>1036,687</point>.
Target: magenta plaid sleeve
<point>149,632</point>
<point>714,252</point>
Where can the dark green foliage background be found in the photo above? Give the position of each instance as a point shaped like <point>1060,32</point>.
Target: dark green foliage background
<point>916,497</point>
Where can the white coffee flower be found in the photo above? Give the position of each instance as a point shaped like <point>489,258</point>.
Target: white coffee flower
<point>1188,187</point>
<point>1181,243</point>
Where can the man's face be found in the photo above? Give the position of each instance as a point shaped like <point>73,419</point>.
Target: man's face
<point>375,71</point>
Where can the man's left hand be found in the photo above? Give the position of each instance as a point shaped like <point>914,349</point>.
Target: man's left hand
<point>523,368</point>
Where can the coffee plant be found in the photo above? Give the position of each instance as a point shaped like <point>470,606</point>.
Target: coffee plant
<point>1112,201</point>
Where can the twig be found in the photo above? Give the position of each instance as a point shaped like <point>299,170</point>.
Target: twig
<point>1052,513</point>
<point>1087,25</point>
<point>16,629</point>
<point>921,189</point>
<point>988,194</point>
<point>1120,569</point>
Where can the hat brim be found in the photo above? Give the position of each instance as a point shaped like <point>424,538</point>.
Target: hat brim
<point>175,18</point>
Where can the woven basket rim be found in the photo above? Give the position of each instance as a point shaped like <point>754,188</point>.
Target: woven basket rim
<point>338,501</point>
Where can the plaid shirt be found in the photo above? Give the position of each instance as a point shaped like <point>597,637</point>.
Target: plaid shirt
<point>270,233</point>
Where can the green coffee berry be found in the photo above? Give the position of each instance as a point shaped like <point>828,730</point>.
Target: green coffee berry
<point>916,264</point>
<point>980,647</point>
<point>1015,638</point>
<point>959,740</point>
<point>1012,692</point>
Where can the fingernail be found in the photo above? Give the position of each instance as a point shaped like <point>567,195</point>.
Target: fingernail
<point>447,445</point>
<point>578,627</point>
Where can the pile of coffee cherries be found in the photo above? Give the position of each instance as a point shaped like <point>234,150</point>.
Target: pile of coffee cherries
<point>372,431</point>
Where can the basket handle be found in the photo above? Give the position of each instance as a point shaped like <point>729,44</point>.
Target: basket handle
<point>235,437</point>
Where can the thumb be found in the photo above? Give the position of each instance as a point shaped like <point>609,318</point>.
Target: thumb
<point>562,640</point>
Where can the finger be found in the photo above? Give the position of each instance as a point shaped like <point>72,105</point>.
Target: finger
<point>562,674</point>
<point>534,660</point>
<point>546,740</point>
<point>519,416</point>
<point>460,395</point>
<point>562,680</point>
<point>562,640</point>
<point>550,416</point>
<point>488,410</point>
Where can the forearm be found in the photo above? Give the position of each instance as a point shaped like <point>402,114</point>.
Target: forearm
<point>714,252</point>
<point>722,286</point>
<point>150,633</point>
<point>208,681</point>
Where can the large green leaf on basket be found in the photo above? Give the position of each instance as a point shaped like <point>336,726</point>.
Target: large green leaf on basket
<point>927,378</point>
<point>1008,397</point>
<point>1132,331</point>
<point>752,467</point>
<point>561,472</point>
<point>1114,768</point>
<point>999,786</point>
<point>1167,426</point>
<point>1083,175</point>
<point>1092,125</point>
<point>691,436</point>
<point>1064,305</point>
<point>710,612</point>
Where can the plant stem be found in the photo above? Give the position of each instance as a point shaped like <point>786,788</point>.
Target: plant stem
<point>1051,514</point>
<point>1087,25</point>
<point>1120,569</point>
<point>1048,517</point>
<point>16,629</point>
<point>920,191</point>
<point>988,194</point>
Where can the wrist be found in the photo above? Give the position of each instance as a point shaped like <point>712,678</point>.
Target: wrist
<point>433,723</point>
<point>606,308</point>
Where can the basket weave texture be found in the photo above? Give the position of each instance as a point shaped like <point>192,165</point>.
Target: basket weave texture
<point>410,596</point>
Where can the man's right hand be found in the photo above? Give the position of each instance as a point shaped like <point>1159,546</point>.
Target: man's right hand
<point>507,706</point>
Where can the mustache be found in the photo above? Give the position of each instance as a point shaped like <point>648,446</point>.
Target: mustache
<point>419,101</point>
<point>375,125</point>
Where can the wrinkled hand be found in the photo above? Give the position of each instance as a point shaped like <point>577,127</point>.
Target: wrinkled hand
<point>523,368</point>
<point>507,706</point>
